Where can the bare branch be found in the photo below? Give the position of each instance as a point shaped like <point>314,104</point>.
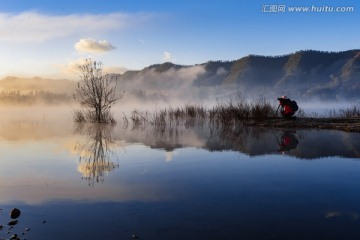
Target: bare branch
<point>97,92</point>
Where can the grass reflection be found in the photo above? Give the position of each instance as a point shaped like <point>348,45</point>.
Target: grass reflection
<point>252,141</point>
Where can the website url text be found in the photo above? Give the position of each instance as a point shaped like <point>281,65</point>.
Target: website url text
<point>271,8</point>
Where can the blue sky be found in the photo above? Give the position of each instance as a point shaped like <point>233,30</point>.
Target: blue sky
<point>50,38</point>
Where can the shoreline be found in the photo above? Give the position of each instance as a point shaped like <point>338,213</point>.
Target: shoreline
<point>343,124</point>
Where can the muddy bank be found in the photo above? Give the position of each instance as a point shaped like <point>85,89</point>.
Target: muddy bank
<point>344,124</point>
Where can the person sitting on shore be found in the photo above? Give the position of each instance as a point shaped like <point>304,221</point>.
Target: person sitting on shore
<point>288,107</point>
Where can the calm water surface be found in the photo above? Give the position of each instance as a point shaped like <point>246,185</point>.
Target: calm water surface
<point>198,182</point>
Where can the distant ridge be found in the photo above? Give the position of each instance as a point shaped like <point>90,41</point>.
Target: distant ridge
<point>303,74</point>
<point>307,74</point>
<point>37,84</point>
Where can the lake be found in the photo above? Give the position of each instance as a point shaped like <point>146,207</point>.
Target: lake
<point>196,181</point>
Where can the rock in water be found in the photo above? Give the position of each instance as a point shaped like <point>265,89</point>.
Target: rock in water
<point>12,223</point>
<point>15,213</point>
<point>134,236</point>
<point>14,237</point>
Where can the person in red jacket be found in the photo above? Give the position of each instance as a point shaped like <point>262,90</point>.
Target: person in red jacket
<point>286,108</point>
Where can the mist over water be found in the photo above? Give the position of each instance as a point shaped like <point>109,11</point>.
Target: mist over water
<point>162,86</point>
<point>61,116</point>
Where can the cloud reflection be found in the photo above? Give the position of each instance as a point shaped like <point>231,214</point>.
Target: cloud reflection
<point>335,214</point>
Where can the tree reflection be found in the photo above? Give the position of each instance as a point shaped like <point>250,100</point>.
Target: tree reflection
<point>96,152</point>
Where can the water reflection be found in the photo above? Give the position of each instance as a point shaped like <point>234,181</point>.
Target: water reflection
<point>288,141</point>
<point>96,153</point>
<point>169,187</point>
<point>303,144</point>
<point>336,214</point>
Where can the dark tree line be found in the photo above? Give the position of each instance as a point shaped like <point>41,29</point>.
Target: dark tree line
<point>33,97</point>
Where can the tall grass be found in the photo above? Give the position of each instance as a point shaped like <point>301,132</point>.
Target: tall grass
<point>350,112</point>
<point>79,116</point>
<point>226,117</point>
<point>232,112</point>
<point>225,113</point>
<point>82,116</point>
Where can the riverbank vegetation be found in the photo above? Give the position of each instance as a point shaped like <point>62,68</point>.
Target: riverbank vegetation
<point>226,113</point>
<point>234,113</point>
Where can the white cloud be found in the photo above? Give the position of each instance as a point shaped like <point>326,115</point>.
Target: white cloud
<point>92,46</point>
<point>72,67</point>
<point>169,156</point>
<point>35,27</point>
<point>167,57</point>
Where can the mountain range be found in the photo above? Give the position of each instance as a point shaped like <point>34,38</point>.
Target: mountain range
<point>301,75</point>
<point>304,74</point>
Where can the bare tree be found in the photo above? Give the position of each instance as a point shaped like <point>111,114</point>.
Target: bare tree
<point>96,93</point>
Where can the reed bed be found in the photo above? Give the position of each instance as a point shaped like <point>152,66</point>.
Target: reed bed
<point>226,113</point>
<point>231,116</point>
<point>350,112</point>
